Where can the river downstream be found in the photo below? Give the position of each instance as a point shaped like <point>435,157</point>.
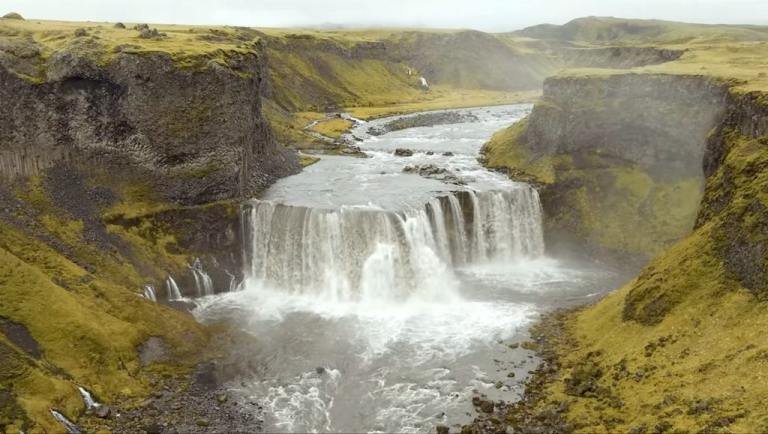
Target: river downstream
<point>381,299</point>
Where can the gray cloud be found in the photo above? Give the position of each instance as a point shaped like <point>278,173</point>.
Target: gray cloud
<point>491,15</point>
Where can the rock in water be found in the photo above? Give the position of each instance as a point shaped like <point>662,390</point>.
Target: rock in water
<point>442,429</point>
<point>402,152</point>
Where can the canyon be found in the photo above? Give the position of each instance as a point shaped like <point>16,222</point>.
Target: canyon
<point>131,163</point>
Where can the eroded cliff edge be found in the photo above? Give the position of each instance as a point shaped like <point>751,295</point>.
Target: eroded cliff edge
<point>679,347</point>
<point>120,165</point>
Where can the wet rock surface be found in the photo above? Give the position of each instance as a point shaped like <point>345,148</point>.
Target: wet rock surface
<point>19,335</point>
<point>423,120</point>
<point>434,172</point>
<point>176,407</point>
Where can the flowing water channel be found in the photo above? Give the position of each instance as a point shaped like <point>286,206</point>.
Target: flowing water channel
<point>380,300</point>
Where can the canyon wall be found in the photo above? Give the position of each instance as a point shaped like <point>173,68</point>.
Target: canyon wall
<point>679,346</point>
<point>200,131</point>
<point>613,152</point>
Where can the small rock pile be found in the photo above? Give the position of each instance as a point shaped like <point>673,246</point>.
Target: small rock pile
<point>146,33</point>
<point>433,172</point>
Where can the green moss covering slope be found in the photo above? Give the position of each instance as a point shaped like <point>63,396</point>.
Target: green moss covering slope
<point>681,347</point>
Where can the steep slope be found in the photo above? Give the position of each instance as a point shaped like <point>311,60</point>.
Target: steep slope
<point>679,347</point>
<point>121,160</point>
<point>616,152</point>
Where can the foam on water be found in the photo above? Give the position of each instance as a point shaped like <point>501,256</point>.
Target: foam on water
<point>406,290</point>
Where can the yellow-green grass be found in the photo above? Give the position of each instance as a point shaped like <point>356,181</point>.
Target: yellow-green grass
<point>90,334</point>
<point>743,63</point>
<point>333,127</point>
<point>91,331</point>
<point>683,343</point>
<point>308,160</point>
<point>440,97</point>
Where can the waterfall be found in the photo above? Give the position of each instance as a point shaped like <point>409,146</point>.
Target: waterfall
<point>174,293</point>
<point>90,403</point>
<point>68,425</point>
<point>369,254</point>
<point>203,282</point>
<point>149,293</point>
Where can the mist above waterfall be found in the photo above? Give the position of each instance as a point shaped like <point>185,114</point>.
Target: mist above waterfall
<point>369,254</point>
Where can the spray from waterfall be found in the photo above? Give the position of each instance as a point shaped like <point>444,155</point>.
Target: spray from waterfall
<point>372,255</point>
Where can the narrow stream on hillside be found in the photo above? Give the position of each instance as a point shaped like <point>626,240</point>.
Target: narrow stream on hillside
<point>381,300</point>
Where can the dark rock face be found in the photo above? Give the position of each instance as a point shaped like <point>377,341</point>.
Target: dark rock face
<point>656,121</point>
<point>19,335</point>
<point>201,132</point>
<point>618,57</point>
<point>743,240</point>
<point>608,135</point>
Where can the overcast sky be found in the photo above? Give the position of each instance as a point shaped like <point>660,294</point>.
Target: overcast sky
<point>491,15</point>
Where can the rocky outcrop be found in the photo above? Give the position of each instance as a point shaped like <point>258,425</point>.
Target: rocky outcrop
<point>200,131</point>
<point>618,57</point>
<point>613,152</point>
<point>676,346</point>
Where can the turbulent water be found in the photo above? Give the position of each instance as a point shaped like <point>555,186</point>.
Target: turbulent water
<point>380,300</point>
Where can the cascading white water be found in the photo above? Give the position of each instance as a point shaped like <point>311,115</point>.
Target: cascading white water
<point>383,300</point>
<point>203,281</point>
<point>88,400</point>
<point>369,254</point>
<point>174,294</point>
<point>68,425</point>
<point>149,293</point>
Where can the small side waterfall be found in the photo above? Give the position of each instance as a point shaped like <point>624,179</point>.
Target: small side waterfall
<point>364,253</point>
<point>68,425</point>
<point>88,400</point>
<point>149,293</point>
<point>174,293</point>
<point>203,281</point>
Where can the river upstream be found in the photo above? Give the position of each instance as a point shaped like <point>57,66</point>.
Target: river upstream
<point>383,300</point>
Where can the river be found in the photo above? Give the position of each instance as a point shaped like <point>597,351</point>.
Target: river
<point>381,300</point>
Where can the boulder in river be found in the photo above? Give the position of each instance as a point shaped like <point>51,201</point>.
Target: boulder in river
<point>435,172</point>
<point>402,152</point>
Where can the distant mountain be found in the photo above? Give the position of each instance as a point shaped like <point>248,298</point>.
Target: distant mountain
<point>616,30</point>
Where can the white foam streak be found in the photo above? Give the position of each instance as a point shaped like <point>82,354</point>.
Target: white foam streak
<point>174,294</point>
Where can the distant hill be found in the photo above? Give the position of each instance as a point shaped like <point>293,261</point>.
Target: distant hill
<point>619,30</point>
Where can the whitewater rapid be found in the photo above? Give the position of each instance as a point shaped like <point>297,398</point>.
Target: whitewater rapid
<point>378,300</point>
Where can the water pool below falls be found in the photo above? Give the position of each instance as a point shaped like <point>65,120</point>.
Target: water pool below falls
<point>379,300</point>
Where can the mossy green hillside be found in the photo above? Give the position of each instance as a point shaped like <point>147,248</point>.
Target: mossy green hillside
<point>677,348</point>
<point>190,47</point>
<point>681,346</point>
<point>90,335</point>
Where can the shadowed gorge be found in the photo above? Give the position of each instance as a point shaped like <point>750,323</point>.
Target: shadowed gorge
<point>230,229</point>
